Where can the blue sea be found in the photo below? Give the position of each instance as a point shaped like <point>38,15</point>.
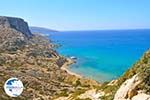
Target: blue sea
<point>102,55</point>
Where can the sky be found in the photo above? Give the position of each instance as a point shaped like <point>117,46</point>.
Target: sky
<point>80,14</point>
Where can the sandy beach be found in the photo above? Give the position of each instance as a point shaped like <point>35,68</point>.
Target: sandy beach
<point>66,65</point>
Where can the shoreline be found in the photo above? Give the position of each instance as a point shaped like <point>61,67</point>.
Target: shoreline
<point>66,65</point>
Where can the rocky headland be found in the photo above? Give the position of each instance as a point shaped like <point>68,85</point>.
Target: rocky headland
<point>33,59</point>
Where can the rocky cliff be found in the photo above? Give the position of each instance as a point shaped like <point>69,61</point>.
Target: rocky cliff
<point>15,23</point>
<point>14,32</point>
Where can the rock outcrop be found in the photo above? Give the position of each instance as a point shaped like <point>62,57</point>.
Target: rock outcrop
<point>128,89</point>
<point>14,33</point>
<point>15,23</point>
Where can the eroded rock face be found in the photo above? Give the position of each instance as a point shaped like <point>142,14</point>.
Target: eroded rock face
<point>15,23</point>
<point>128,89</point>
<point>14,33</point>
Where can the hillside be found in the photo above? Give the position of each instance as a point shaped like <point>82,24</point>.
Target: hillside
<point>32,59</point>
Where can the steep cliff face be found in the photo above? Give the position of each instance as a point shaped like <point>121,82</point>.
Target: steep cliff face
<point>14,33</point>
<point>15,23</point>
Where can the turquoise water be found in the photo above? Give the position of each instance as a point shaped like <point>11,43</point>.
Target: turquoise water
<point>103,55</point>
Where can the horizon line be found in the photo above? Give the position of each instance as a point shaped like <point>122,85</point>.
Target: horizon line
<point>91,29</point>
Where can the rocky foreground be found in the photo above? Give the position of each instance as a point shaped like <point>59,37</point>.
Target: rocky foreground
<point>33,60</point>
